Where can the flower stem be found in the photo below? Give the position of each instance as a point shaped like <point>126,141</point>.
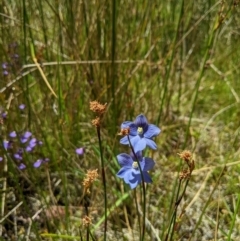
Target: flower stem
<point>138,213</point>
<point>104,183</point>
<point>174,215</point>
<point>143,188</point>
<point>174,212</point>
<point>87,214</point>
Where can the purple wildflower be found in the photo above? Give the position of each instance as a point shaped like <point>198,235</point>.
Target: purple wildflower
<point>80,151</point>
<point>28,149</point>
<point>1,158</point>
<point>40,161</point>
<point>4,115</point>
<point>5,72</point>
<point>24,138</point>
<point>21,166</point>
<point>4,65</point>
<point>21,107</point>
<point>17,156</point>
<point>13,134</point>
<point>33,142</point>
<point>7,144</point>
<point>141,133</point>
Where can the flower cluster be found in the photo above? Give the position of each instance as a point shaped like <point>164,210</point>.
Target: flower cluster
<point>14,62</point>
<point>138,135</point>
<point>19,145</point>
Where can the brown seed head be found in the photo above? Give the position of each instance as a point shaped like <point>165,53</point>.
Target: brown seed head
<point>96,122</point>
<point>91,176</point>
<point>188,158</point>
<point>186,155</point>
<point>95,106</point>
<point>124,132</point>
<point>87,221</point>
<point>185,174</point>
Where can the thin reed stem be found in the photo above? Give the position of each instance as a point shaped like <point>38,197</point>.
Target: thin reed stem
<point>234,218</point>
<point>169,68</point>
<point>104,182</point>
<point>174,212</point>
<point>198,82</point>
<point>176,206</point>
<point>138,214</point>
<point>144,191</point>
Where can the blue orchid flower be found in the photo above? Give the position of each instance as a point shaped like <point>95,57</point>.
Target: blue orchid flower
<point>130,171</point>
<point>141,133</point>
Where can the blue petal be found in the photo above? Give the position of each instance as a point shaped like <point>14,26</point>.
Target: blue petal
<point>133,184</point>
<point>122,172</point>
<point>152,131</point>
<point>128,176</point>
<point>133,130</point>
<point>150,143</point>
<point>141,120</point>
<point>138,154</point>
<point>125,159</point>
<point>134,141</point>
<point>126,124</point>
<point>135,180</point>
<point>138,144</point>
<point>124,140</point>
<point>147,177</point>
<point>148,164</point>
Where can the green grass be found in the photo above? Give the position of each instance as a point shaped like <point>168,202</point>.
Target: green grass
<point>177,62</point>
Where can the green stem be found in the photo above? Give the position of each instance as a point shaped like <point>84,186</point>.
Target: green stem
<point>143,188</point>
<point>88,229</point>
<point>174,212</point>
<point>104,183</point>
<point>197,86</point>
<point>165,85</point>
<point>176,206</point>
<point>138,213</point>
<point>234,218</point>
